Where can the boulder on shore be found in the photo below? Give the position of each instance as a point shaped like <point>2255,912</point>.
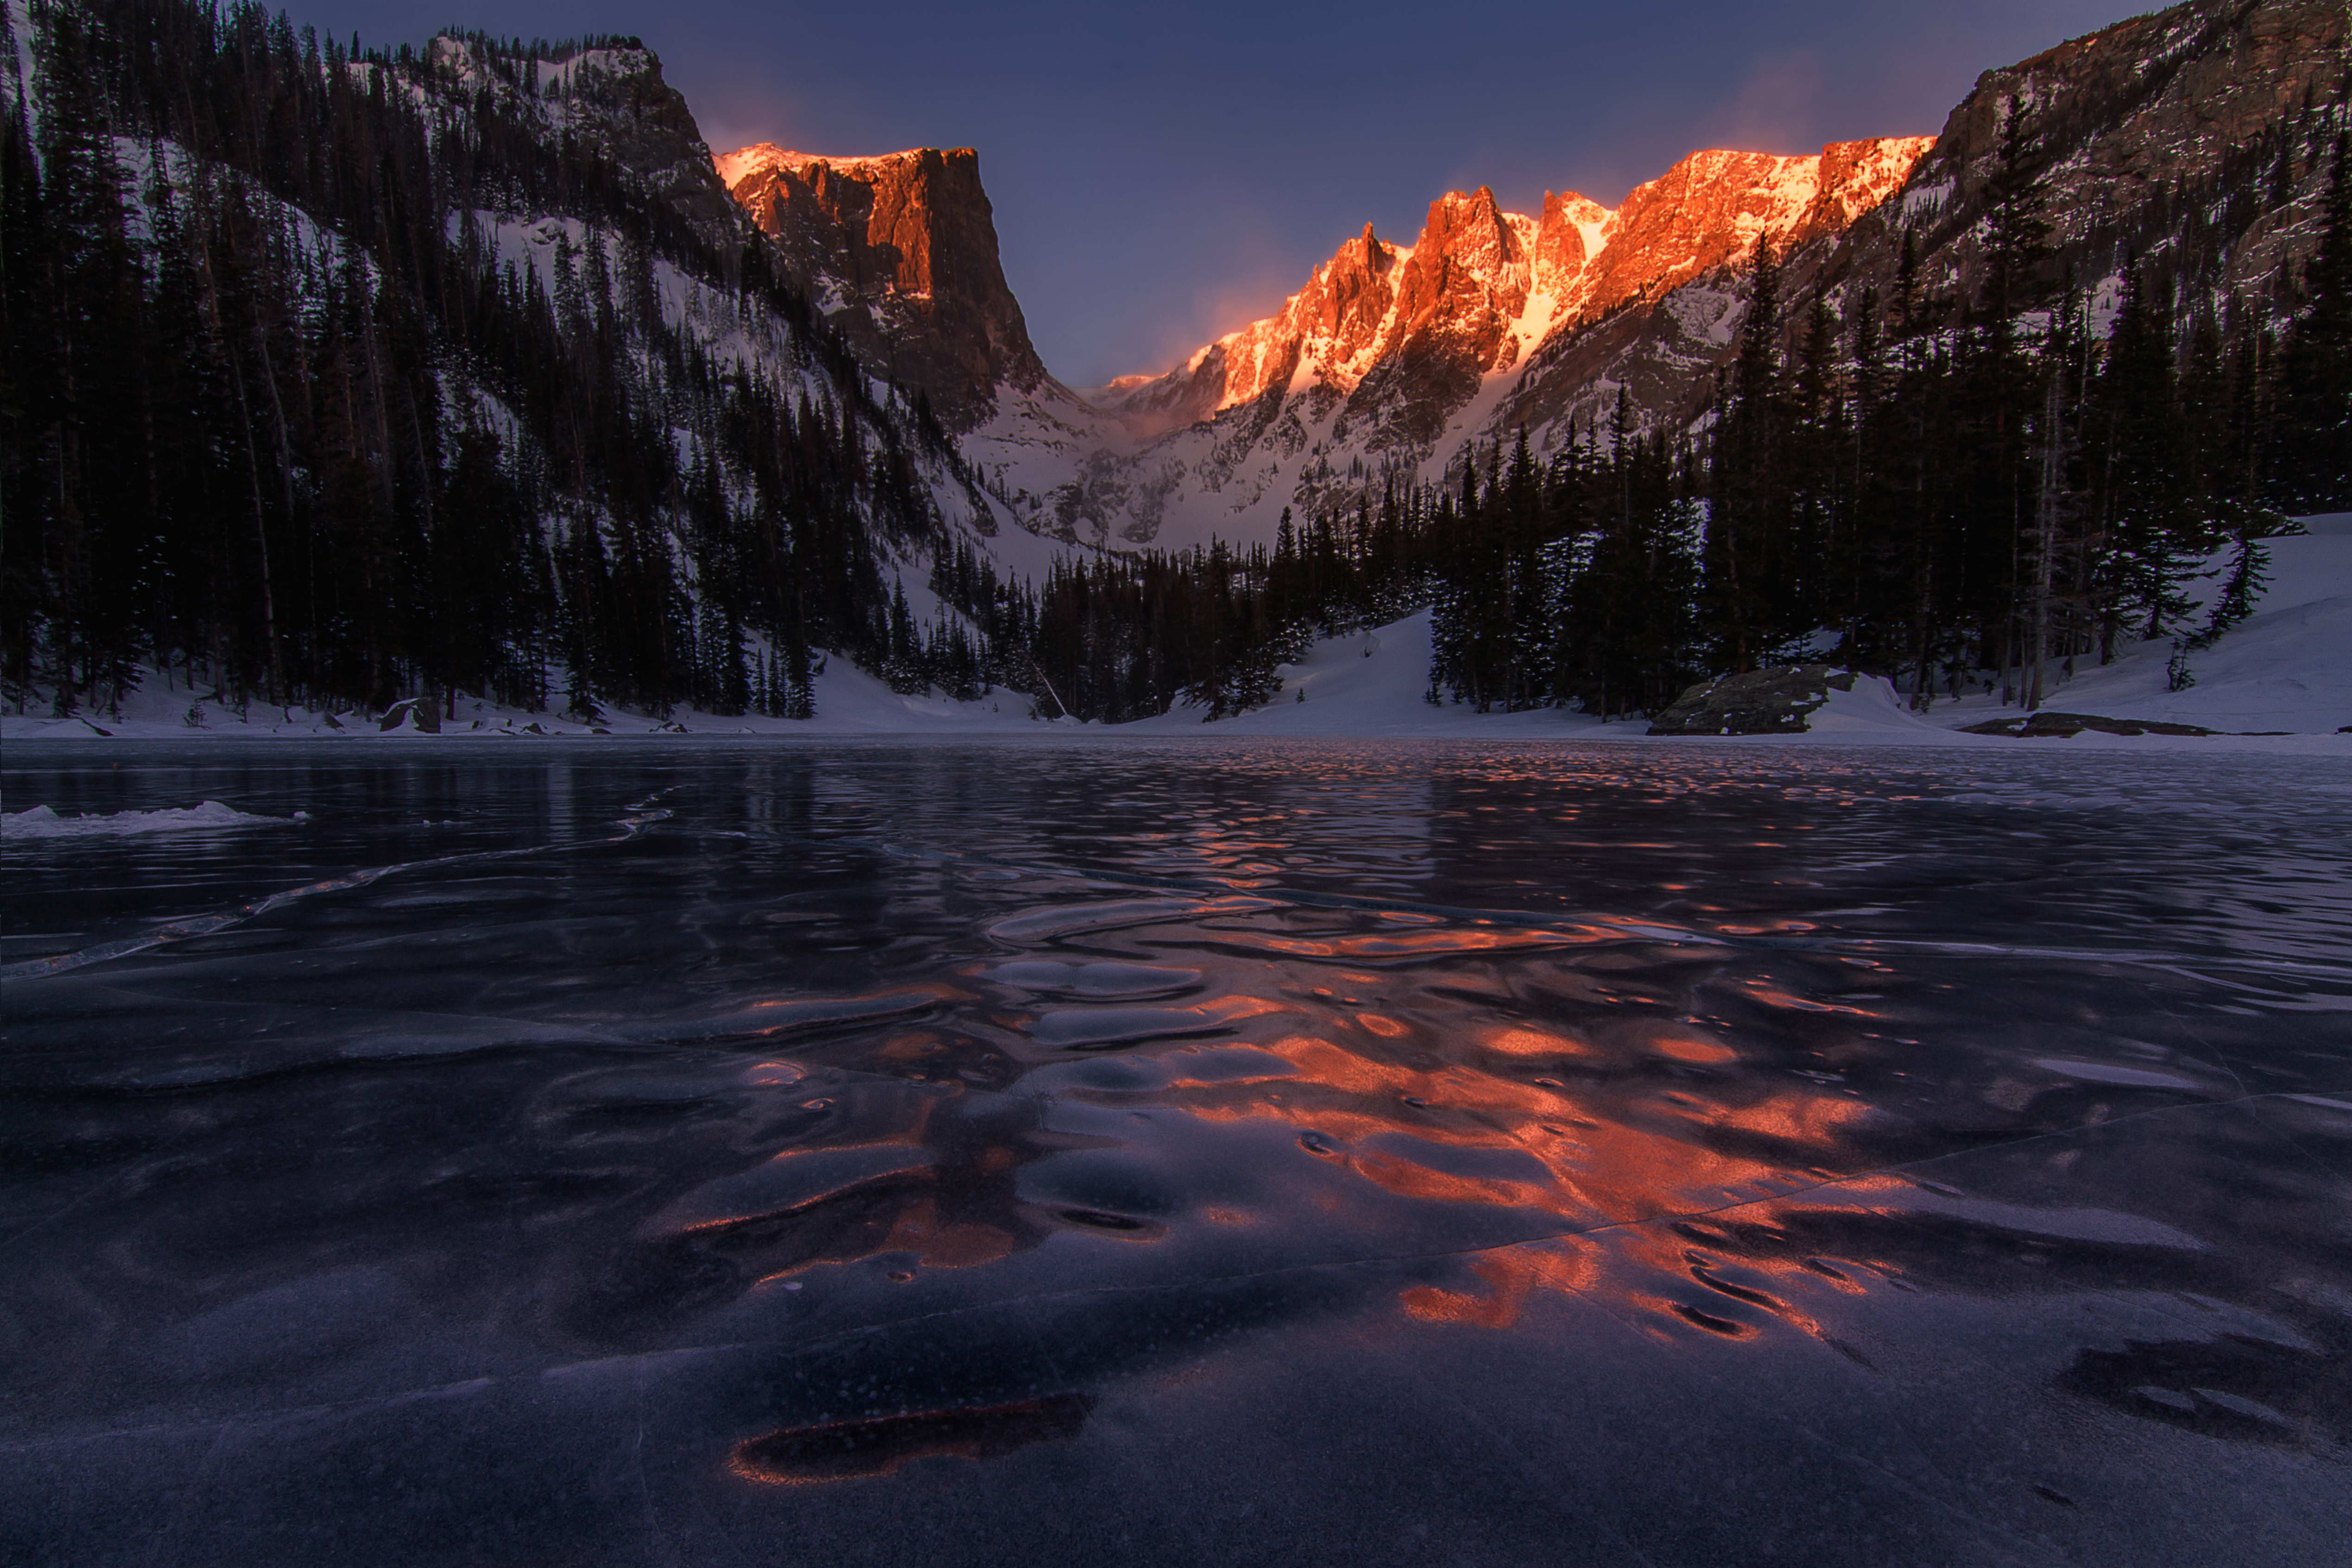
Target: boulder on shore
<point>420,714</point>
<point>1760,702</point>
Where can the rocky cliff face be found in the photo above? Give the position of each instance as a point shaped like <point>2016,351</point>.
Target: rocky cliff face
<point>1394,360</point>
<point>1408,335</point>
<point>899,251</point>
<point>1391,353</point>
<point>2130,120</point>
<point>2172,137</point>
<point>614,99</point>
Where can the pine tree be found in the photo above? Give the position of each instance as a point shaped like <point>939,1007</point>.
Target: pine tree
<point>2152,534</point>
<point>1748,592</point>
<point>2313,470</point>
<point>2241,589</point>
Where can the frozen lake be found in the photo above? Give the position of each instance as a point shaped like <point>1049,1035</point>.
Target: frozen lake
<point>1084,1152</point>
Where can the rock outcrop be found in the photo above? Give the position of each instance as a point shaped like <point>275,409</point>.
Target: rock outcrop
<point>900,252</point>
<point>2049,723</point>
<point>612,98</point>
<point>1761,702</point>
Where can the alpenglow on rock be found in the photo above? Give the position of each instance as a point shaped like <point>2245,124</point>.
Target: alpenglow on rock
<point>900,252</point>
<point>1481,287</point>
<point>1400,360</point>
<point>1393,359</point>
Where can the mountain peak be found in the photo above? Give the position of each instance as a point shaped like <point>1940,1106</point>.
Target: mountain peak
<point>1715,206</point>
<point>1481,287</point>
<point>898,249</point>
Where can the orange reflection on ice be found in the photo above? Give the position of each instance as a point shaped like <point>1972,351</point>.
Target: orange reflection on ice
<point>1625,1147</point>
<point>1798,1118</point>
<point>1410,1178</point>
<point>1235,1007</point>
<point>1511,1275</point>
<point>1393,947</point>
<point>956,1245</point>
<point>1675,1039</point>
<point>1516,1039</point>
<point>1650,1276</point>
<point>1731,1290</point>
<point>1645,1117</point>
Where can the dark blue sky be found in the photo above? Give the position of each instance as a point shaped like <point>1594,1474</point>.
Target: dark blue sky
<point>1164,174</point>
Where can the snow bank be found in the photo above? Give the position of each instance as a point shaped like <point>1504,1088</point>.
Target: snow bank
<point>2288,668</point>
<point>1371,684</point>
<point>851,701</point>
<point>41,823</point>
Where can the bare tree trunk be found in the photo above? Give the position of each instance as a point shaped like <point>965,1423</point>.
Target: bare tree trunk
<point>2045,541</point>
<point>245,417</point>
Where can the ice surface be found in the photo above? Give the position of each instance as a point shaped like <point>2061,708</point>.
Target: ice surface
<point>1168,1149</point>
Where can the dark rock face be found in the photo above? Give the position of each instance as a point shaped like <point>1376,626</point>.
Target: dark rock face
<point>616,100</point>
<point>1761,702</point>
<point>899,251</point>
<point>420,714</point>
<point>2048,723</point>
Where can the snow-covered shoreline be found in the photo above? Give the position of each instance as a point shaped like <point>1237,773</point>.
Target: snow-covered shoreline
<point>2287,669</point>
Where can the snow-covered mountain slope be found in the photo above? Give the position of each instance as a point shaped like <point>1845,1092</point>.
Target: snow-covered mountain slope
<point>1392,355</point>
<point>615,99</point>
<point>1396,359</point>
<point>2195,139</point>
<point>461,371</point>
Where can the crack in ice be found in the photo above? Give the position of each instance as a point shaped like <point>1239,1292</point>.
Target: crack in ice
<point>195,925</point>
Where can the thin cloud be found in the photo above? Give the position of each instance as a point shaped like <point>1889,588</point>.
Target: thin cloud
<point>1778,106</point>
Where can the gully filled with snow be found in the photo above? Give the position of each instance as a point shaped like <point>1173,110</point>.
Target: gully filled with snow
<point>1170,1150</point>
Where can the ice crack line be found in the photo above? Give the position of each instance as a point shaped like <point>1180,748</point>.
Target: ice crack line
<point>206,924</point>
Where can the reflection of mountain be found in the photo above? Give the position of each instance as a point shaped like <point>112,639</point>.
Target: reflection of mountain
<point>707,1192</point>
<point>1518,1082</point>
<point>1150,1126</point>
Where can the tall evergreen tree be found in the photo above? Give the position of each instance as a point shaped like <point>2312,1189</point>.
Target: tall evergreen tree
<point>2313,472</point>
